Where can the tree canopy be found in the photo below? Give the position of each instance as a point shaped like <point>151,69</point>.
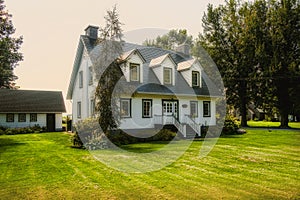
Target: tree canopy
<point>9,49</point>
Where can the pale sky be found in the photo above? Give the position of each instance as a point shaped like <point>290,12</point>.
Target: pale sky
<point>51,30</point>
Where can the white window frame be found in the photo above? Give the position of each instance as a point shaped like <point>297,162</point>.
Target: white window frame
<point>21,117</point>
<point>198,79</point>
<point>195,114</point>
<point>91,75</point>
<point>170,71</point>
<point>131,65</point>
<point>127,115</point>
<point>149,113</point>
<point>33,117</point>
<point>80,79</point>
<point>208,104</point>
<point>79,110</point>
<point>10,117</point>
<point>92,107</point>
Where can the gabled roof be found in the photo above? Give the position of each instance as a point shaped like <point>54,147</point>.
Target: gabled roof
<point>152,56</point>
<point>159,60</point>
<point>185,65</point>
<point>127,54</point>
<point>31,101</point>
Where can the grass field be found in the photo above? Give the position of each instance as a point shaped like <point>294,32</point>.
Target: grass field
<point>257,165</point>
<point>271,124</point>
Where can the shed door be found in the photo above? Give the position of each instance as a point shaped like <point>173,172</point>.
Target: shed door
<point>50,122</point>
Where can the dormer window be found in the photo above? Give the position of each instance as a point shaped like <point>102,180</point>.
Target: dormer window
<point>168,76</point>
<point>195,79</point>
<point>134,72</point>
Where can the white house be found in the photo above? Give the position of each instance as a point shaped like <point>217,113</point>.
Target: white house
<point>170,87</point>
<point>27,108</point>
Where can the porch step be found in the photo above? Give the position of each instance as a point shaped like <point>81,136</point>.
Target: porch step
<point>190,133</point>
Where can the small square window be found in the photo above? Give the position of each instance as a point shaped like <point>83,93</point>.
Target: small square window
<point>22,117</point>
<point>167,76</point>
<point>206,109</point>
<point>10,117</point>
<point>134,72</point>
<point>33,117</point>
<point>125,108</point>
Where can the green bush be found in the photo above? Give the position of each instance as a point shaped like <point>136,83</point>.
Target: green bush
<point>231,125</point>
<point>15,131</point>
<point>163,135</point>
<point>88,134</point>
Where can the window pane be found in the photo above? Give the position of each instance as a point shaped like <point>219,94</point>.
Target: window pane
<point>167,76</point>
<point>80,79</point>
<point>125,108</point>
<point>33,117</point>
<point>206,108</point>
<point>92,107</point>
<point>10,118</point>
<point>134,72</point>
<point>147,106</point>
<point>90,75</point>
<point>79,110</point>
<point>194,109</point>
<point>22,117</point>
<point>195,78</point>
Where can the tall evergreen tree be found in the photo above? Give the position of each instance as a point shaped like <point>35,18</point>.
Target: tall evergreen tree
<point>108,71</point>
<point>9,49</point>
<point>284,21</point>
<point>225,38</point>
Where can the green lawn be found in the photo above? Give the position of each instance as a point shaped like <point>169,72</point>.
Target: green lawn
<point>271,124</point>
<point>257,165</point>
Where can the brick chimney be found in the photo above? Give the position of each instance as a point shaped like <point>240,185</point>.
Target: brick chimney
<point>92,32</point>
<point>183,48</point>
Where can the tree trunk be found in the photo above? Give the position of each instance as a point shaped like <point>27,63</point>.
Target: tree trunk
<point>243,109</point>
<point>243,103</point>
<point>284,121</point>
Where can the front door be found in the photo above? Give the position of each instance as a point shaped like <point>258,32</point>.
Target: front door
<point>170,109</point>
<point>50,122</point>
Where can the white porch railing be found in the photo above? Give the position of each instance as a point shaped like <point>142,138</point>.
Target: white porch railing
<point>196,127</point>
<point>170,119</point>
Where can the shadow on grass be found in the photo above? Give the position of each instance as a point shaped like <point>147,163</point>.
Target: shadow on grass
<point>146,147</point>
<point>6,143</point>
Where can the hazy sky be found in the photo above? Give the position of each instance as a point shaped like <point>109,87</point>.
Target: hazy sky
<point>51,30</point>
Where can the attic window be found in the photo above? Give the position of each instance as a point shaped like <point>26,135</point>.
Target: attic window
<point>195,79</point>
<point>80,79</point>
<point>167,76</point>
<point>90,76</point>
<point>134,72</point>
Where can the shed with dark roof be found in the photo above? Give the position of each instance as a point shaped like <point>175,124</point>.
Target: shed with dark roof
<point>25,108</point>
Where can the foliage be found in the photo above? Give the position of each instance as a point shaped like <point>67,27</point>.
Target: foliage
<point>231,126</point>
<point>88,134</point>
<point>9,47</point>
<point>108,71</point>
<point>171,40</point>
<point>23,130</point>
<point>256,47</point>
